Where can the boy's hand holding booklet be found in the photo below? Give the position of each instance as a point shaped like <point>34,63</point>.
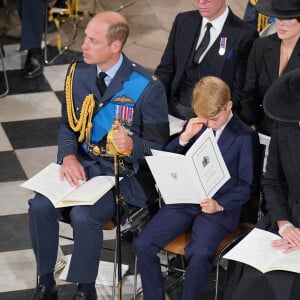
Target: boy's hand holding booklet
<point>189,178</point>
<point>256,250</point>
<point>48,183</point>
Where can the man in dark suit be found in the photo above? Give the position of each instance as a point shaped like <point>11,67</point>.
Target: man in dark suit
<point>137,99</point>
<point>225,56</point>
<point>212,218</point>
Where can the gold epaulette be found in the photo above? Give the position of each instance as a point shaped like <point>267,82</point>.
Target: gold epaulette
<point>83,125</point>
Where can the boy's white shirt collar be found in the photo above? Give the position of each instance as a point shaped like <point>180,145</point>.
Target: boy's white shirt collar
<point>220,130</point>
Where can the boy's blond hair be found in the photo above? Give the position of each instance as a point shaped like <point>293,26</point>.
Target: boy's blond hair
<point>210,96</point>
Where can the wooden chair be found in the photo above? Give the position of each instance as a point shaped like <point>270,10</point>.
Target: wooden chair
<point>177,247</point>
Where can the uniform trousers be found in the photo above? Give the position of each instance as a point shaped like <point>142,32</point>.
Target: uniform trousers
<point>170,221</point>
<point>86,221</point>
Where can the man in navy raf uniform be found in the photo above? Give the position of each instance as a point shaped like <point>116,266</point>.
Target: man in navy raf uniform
<point>110,103</point>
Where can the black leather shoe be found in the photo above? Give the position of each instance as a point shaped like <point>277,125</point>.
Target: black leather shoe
<point>45,293</point>
<point>83,296</point>
<point>33,65</point>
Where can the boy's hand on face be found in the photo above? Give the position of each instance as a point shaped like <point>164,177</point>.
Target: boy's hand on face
<point>193,127</point>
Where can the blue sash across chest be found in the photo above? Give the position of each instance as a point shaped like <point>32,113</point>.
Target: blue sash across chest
<point>103,120</point>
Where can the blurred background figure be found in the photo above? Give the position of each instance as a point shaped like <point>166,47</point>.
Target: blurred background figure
<point>32,15</point>
<point>251,14</point>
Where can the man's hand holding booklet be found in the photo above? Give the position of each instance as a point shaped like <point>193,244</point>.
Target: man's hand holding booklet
<point>48,183</point>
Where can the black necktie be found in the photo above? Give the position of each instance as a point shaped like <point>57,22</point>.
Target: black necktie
<point>101,83</point>
<point>203,45</point>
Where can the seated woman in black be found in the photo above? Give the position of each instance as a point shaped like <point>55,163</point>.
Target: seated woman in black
<point>281,187</point>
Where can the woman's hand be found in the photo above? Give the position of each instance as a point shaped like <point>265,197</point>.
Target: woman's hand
<point>290,240</point>
<point>72,170</point>
<point>210,206</point>
<point>285,245</point>
<point>292,234</point>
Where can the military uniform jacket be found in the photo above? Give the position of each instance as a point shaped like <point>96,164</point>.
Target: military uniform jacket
<point>150,128</point>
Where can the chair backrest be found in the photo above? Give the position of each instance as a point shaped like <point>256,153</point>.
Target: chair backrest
<point>250,210</point>
<point>268,30</point>
<point>179,243</point>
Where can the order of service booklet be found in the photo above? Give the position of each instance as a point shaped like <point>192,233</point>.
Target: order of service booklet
<point>62,194</point>
<point>175,124</point>
<point>255,249</point>
<point>189,178</point>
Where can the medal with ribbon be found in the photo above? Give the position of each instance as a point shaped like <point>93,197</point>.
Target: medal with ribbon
<point>124,110</point>
<point>222,49</point>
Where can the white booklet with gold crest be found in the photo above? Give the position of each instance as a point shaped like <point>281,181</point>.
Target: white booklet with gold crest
<point>189,178</point>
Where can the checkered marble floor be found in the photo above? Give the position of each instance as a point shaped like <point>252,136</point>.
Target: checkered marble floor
<point>29,117</point>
